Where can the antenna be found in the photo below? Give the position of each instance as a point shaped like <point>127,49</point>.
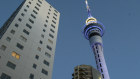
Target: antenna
<point>88,9</point>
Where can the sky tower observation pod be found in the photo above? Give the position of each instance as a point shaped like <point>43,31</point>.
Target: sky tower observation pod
<point>93,27</point>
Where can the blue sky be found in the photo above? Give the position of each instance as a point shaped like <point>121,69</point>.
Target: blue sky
<point>121,39</point>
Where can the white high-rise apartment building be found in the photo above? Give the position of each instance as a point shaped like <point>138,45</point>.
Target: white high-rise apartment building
<point>28,41</point>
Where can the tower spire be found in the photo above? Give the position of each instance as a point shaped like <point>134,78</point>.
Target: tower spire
<point>88,9</point>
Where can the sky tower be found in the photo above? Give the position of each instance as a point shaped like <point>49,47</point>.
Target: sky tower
<point>93,31</point>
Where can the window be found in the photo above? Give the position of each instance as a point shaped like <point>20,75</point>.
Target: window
<point>49,13</point>
<point>25,10</point>
<point>47,16</point>
<point>49,47</point>
<point>42,35</point>
<point>29,2</point>
<point>29,26</point>
<point>47,54</point>
<point>50,41</point>
<point>54,18</point>
<point>56,11</point>
<point>5,76</point>
<point>99,60</point>
<point>34,66</point>
<point>37,57</point>
<point>27,6</point>
<point>49,9</point>
<point>38,4</point>
<point>26,32</point>
<point>13,32</point>
<point>52,30</point>
<point>31,76</point>
<point>23,38</point>
<point>46,62</point>
<point>54,14</point>
<point>39,49</point>
<point>33,16</point>
<point>20,46</point>
<point>11,65</point>
<point>22,14</point>
<point>44,71</point>
<point>100,65</point>
<point>53,21</point>
<point>31,20</point>
<point>44,30</point>
<point>45,25</point>
<point>52,25</point>
<point>15,55</point>
<point>101,70</point>
<point>36,8</point>
<point>39,1</point>
<point>103,75</point>
<point>97,51</point>
<point>51,35</point>
<point>20,19</point>
<point>46,20</point>
<point>8,39</point>
<point>3,47</point>
<point>98,55</point>
<point>16,25</point>
<point>35,12</point>
<point>40,42</point>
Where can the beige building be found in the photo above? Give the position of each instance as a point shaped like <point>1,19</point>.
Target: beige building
<point>28,41</point>
<point>86,72</point>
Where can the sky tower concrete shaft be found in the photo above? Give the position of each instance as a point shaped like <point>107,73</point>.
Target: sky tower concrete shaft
<point>94,31</point>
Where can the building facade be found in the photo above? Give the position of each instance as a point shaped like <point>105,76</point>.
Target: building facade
<point>28,41</point>
<point>86,72</point>
<point>93,32</point>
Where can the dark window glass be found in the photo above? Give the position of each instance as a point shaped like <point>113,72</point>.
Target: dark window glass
<point>20,46</point>
<point>42,35</point>
<point>3,47</point>
<point>49,9</point>
<point>52,30</point>
<point>44,71</point>
<point>20,19</point>
<point>31,20</point>
<point>40,42</point>
<point>38,4</point>
<point>34,66</point>
<point>46,62</point>
<point>8,39</point>
<point>53,21</point>
<point>35,12</point>
<point>54,18</point>
<point>97,51</point>
<point>100,65</point>
<point>56,11</point>
<point>49,47</point>
<point>11,65</point>
<point>5,76</point>
<point>101,70</point>
<point>47,16</point>
<point>99,60</point>
<point>46,20</point>
<point>16,25</point>
<point>44,30</point>
<point>25,10</point>
<point>103,75</point>
<point>28,26</point>
<point>51,35</point>
<point>39,1</point>
<point>29,2</point>
<point>37,57</point>
<point>26,32</point>
<point>31,76</point>
<point>45,25</point>
<point>22,14</point>
<point>33,16</point>
<point>13,32</point>
<point>98,55</point>
<point>27,6</point>
<point>52,25</point>
<point>36,8</point>
<point>55,14</point>
<point>49,13</point>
